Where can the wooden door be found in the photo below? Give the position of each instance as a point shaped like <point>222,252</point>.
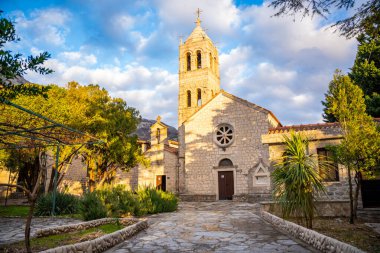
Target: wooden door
<point>161,182</point>
<point>226,185</point>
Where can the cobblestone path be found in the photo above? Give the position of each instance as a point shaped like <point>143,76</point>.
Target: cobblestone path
<point>211,227</point>
<point>12,229</point>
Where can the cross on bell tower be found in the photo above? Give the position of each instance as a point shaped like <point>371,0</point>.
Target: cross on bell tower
<point>198,20</point>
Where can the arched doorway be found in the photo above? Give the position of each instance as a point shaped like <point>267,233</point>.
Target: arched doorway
<point>225,180</point>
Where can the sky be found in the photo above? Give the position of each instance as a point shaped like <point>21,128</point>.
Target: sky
<point>131,49</point>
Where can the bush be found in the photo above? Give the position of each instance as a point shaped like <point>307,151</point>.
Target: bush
<point>156,201</point>
<point>117,200</point>
<point>91,207</point>
<point>64,204</point>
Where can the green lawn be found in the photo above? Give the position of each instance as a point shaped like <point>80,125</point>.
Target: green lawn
<point>20,211</point>
<point>48,242</point>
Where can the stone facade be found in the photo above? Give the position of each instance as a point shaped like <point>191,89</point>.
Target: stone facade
<point>319,136</point>
<point>202,154</point>
<point>163,156</point>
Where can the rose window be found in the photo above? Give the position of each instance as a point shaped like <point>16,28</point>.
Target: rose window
<point>224,135</point>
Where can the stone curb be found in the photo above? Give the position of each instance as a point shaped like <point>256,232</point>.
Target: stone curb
<point>102,243</point>
<point>315,239</point>
<point>82,226</point>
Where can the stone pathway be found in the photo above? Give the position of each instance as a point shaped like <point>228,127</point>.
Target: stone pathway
<point>12,229</point>
<point>211,227</point>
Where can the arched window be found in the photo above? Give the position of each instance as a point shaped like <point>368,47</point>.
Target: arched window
<point>188,98</point>
<point>188,61</point>
<point>225,163</point>
<point>199,97</point>
<point>211,63</point>
<point>199,59</point>
<point>215,65</point>
<point>158,135</point>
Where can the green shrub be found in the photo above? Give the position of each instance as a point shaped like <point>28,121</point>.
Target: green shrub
<point>64,204</point>
<point>117,200</point>
<point>91,207</point>
<point>156,201</point>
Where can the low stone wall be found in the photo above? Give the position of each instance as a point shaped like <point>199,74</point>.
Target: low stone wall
<point>197,198</point>
<point>315,239</point>
<point>83,226</point>
<point>328,208</point>
<point>102,243</point>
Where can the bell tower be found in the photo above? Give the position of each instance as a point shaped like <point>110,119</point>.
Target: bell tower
<point>199,77</point>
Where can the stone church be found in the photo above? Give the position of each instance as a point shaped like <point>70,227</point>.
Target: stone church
<point>226,145</point>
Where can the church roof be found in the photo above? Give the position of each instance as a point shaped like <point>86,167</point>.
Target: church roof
<point>237,99</point>
<point>305,127</point>
<point>198,34</point>
<point>285,129</point>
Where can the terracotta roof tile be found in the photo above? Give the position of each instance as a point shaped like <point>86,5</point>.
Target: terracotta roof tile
<point>284,129</point>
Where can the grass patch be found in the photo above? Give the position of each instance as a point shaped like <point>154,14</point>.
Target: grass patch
<point>22,211</point>
<point>358,234</point>
<point>48,242</point>
<point>9,211</point>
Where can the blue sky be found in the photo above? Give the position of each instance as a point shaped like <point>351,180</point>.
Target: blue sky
<point>131,49</point>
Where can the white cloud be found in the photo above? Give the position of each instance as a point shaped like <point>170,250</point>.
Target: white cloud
<point>44,26</point>
<point>152,91</point>
<point>123,22</point>
<point>78,58</point>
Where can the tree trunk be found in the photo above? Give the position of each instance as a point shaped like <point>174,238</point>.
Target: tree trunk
<point>28,225</point>
<point>357,189</point>
<point>351,196</point>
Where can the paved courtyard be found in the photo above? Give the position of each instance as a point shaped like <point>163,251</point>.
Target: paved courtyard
<point>13,229</point>
<point>211,227</point>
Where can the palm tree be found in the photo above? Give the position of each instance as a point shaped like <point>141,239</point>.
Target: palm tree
<point>296,179</point>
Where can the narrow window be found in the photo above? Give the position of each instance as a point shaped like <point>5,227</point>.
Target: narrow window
<point>188,61</point>
<point>212,93</point>
<point>199,59</point>
<point>199,95</point>
<point>215,65</point>
<point>188,98</point>
<point>158,135</point>
<point>332,173</point>
<point>211,65</point>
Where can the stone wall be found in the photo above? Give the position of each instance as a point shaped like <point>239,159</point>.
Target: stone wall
<point>318,138</point>
<point>102,243</point>
<point>170,170</point>
<point>329,208</point>
<point>320,242</point>
<point>75,179</point>
<point>202,155</point>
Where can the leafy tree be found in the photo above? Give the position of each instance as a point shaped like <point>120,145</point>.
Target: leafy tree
<point>14,66</point>
<point>296,179</point>
<point>89,109</point>
<point>359,150</point>
<point>348,27</point>
<point>366,69</point>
